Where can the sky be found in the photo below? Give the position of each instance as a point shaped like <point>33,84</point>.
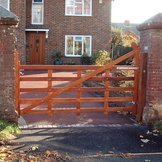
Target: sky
<point>136,11</point>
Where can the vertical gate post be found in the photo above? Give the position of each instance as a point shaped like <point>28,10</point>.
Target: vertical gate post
<point>136,80</point>
<point>142,86</point>
<point>151,52</point>
<point>8,24</point>
<point>17,65</point>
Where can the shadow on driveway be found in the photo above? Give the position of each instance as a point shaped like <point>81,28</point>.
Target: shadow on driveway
<point>79,142</point>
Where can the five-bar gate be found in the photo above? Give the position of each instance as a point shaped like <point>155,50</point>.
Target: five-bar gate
<point>57,88</point>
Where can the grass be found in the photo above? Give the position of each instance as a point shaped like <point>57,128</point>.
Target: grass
<point>8,129</point>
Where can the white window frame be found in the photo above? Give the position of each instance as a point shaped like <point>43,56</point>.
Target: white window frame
<point>8,5</point>
<point>41,23</point>
<point>66,14</point>
<point>83,36</point>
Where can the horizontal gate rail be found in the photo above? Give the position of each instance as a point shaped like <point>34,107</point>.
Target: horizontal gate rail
<point>75,84</point>
<point>74,78</point>
<point>90,99</point>
<point>83,110</point>
<point>85,89</point>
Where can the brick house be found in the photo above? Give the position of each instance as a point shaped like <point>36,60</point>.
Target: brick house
<point>72,27</point>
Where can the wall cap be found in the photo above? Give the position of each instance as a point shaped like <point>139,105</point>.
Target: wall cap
<point>154,22</point>
<point>7,17</point>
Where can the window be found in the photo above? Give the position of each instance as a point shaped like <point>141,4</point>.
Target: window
<point>78,7</point>
<point>77,45</point>
<point>5,4</point>
<point>37,11</point>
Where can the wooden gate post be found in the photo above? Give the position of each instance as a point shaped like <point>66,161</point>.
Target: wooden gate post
<point>17,63</point>
<point>142,86</point>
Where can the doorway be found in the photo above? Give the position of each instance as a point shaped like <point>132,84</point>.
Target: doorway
<point>37,47</point>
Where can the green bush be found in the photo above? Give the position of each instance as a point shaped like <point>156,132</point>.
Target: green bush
<point>7,128</point>
<point>97,58</point>
<point>101,58</point>
<point>85,60</point>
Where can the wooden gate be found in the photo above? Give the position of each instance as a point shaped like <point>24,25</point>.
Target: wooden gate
<point>85,79</point>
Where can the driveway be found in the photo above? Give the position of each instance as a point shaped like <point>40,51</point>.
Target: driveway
<point>110,143</point>
<point>63,119</point>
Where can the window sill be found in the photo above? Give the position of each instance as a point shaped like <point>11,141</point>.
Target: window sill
<point>74,56</point>
<point>79,15</point>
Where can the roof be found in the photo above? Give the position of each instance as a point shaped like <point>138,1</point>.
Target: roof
<point>7,17</point>
<point>127,27</point>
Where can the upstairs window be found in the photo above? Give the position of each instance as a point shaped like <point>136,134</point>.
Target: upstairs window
<point>78,7</point>
<point>5,4</point>
<point>77,45</point>
<point>37,11</point>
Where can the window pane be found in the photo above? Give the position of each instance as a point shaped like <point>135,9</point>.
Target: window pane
<point>38,1</point>
<point>37,13</point>
<point>70,10</point>
<point>78,38</point>
<point>70,7</point>
<point>78,8</point>
<point>69,49</point>
<point>4,3</point>
<point>78,48</point>
<point>87,7</point>
<point>87,46</point>
<point>70,2</point>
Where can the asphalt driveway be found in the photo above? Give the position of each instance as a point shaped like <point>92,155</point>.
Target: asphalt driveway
<point>96,143</point>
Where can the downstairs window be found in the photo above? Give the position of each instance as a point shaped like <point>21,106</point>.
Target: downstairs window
<point>77,45</point>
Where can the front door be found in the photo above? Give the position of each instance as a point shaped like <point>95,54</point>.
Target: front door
<point>37,47</point>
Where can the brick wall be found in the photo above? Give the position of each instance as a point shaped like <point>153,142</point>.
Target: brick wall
<point>98,25</point>
<point>19,8</point>
<point>7,69</point>
<point>151,43</point>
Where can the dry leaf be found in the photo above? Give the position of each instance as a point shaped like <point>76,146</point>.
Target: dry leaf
<point>145,140</point>
<point>34,148</point>
<point>48,153</point>
<point>148,132</point>
<point>147,160</point>
<point>155,131</point>
<point>3,156</point>
<point>111,152</point>
<point>126,155</point>
<point>141,136</point>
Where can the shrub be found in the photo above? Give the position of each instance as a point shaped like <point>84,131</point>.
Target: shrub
<point>57,57</point>
<point>7,128</point>
<point>85,60</point>
<point>101,58</point>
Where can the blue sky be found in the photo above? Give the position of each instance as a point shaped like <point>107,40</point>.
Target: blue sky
<point>136,11</point>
